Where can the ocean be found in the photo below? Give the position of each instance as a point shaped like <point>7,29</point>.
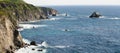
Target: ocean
<point>76,32</point>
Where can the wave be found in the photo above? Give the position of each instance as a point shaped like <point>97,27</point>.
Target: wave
<point>103,16</point>
<point>26,41</point>
<point>107,17</point>
<point>31,49</point>
<point>115,18</point>
<point>45,44</point>
<point>29,26</point>
<point>63,14</point>
<point>30,21</point>
<point>54,18</point>
<point>60,46</point>
<point>41,48</point>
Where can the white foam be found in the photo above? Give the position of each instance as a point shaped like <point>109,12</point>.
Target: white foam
<point>30,21</point>
<point>61,46</point>
<point>63,14</point>
<point>20,29</point>
<point>45,44</point>
<point>35,21</point>
<point>26,41</point>
<point>107,17</point>
<point>102,16</point>
<point>36,48</point>
<point>54,18</point>
<point>29,50</point>
<point>29,26</point>
<point>116,18</point>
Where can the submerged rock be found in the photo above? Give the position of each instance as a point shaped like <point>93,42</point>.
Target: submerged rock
<point>33,49</point>
<point>95,15</point>
<point>40,50</point>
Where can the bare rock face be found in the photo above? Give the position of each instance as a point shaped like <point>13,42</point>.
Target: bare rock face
<point>53,12</point>
<point>49,11</point>
<point>10,38</point>
<point>95,15</point>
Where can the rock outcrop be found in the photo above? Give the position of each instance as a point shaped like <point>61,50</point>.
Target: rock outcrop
<point>33,43</point>
<point>95,15</point>
<point>10,38</point>
<point>49,11</point>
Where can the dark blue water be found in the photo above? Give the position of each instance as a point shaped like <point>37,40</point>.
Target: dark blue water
<point>85,35</point>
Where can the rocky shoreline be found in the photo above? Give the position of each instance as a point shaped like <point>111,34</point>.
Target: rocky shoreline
<point>10,15</point>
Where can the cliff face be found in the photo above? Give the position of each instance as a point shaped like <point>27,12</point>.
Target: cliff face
<point>10,38</point>
<point>48,11</point>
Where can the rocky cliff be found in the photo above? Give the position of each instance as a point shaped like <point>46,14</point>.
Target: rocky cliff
<point>26,12</point>
<point>10,38</point>
<point>10,14</point>
<point>48,11</point>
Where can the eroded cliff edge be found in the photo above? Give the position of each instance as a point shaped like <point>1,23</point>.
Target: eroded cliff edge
<point>10,14</point>
<point>10,38</point>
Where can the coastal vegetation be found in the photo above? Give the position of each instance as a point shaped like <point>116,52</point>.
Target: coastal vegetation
<point>13,1</point>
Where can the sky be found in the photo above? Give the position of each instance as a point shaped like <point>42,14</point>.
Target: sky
<point>72,2</point>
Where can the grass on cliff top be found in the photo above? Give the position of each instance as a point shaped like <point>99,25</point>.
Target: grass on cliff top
<point>7,15</point>
<point>2,13</point>
<point>14,1</point>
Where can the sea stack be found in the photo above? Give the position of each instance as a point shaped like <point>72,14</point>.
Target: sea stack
<point>54,12</point>
<point>95,15</point>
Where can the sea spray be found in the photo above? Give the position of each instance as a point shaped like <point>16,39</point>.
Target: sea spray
<point>26,41</point>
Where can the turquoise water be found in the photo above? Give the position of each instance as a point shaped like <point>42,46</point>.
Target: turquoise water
<point>84,35</point>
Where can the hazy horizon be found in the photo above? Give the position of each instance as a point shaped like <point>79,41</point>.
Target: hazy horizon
<point>73,2</point>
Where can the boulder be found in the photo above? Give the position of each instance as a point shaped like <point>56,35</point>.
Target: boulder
<point>53,14</point>
<point>33,43</point>
<point>95,15</point>
<point>33,49</point>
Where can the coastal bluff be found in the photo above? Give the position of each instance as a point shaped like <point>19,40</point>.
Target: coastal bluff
<point>11,13</point>
<point>10,38</point>
<point>26,12</point>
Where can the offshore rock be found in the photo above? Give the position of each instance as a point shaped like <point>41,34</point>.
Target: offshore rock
<point>95,15</point>
<point>33,43</point>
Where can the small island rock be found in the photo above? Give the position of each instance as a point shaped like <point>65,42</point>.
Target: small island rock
<point>95,15</point>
